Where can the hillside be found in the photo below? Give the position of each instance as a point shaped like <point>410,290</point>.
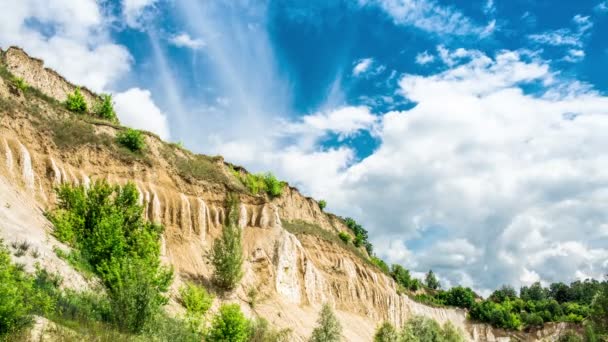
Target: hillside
<point>292,256</point>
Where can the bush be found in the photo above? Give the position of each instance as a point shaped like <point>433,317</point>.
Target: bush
<point>274,187</point>
<point>261,183</point>
<point>20,83</point>
<point>131,139</point>
<point>420,329</point>
<point>105,108</point>
<point>229,324</point>
<point>386,333</point>
<point>15,288</point>
<point>104,223</point>
<point>195,299</point>
<point>75,102</point>
<point>227,253</point>
<point>380,264</point>
<point>322,204</point>
<point>328,327</point>
<point>261,331</point>
<point>431,281</point>
<point>459,296</point>
<point>345,237</point>
<point>570,336</point>
<point>401,275</point>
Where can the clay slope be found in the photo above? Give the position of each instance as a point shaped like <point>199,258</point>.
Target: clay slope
<point>42,146</point>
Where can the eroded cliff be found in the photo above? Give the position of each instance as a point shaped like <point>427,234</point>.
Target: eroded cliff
<point>294,271</point>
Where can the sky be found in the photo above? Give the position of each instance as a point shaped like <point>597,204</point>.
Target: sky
<point>468,137</point>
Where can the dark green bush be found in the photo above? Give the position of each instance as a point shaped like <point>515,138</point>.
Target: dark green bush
<point>401,275</point>
<point>229,324</point>
<point>431,281</point>
<point>131,139</point>
<point>76,102</point>
<point>322,204</point>
<point>105,108</point>
<point>459,296</point>
<point>227,254</point>
<point>345,237</point>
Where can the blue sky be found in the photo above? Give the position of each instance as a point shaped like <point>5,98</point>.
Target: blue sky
<point>467,136</point>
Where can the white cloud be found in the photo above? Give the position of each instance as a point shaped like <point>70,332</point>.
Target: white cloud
<point>362,66</point>
<point>134,11</point>
<point>489,8</point>
<point>565,36</point>
<point>344,121</point>
<point>184,40</point>
<point>575,55</point>
<point>424,58</point>
<point>136,108</point>
<point>79,47</point>
<point>601,7</point>
<point>427,15</point>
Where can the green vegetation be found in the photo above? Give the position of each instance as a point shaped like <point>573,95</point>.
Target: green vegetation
<point>262,332</point>
<point>402,278</point>
<point>361,235</point>
<point>322,204</point>
<point>195,299</point>
<point>431,281</point>
<point>227,253</point>
<point>131,139</point>
<point>261,183</point>
<point>105,108</point>
<point>229,324</point>
<point>20,83</point>
<point>418,329</point>
<point>76,102</point>
<point>381,264</point>
<point>345,237</point>
<point>386,333</point>
<point>328,327</point>
<point>199,167</point>
<point>104,223</point>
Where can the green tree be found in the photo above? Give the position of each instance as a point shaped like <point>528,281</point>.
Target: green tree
<point>227,253</point>
<point>15,287</point>
<point>76,102</point>
<point>534,292</point>
<point>105,108</point>
<point>131,139</point>
<point>459,296</point>
<point>421,329</point>
<point>322,204</point>
<point>506,292</point>
<point>431,281</point>
<point>386,333</point>
<point>599,312</point>
<point>328,327</point>
<point>401,275</point>
<point>229,325</point>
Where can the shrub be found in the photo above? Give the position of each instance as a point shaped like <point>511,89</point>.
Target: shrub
<point>345,237</point>
<point>261,183</point>
<point>106,227</point>
<point>459,296</point>
<point>386,333</point>
<point>274,187</point>
<point>380,264</point>
<point>328,327</point>
<point>20,83</point>
<point>322,204</point>
<point>401,275</point>
<point>15,287</point>
<point>227,253</point>
<point>261,331</point>
<point>131,139</point>
<point>420,329</point>
<point>431,281</point>
<point>195,299</point>
<point>570,336</point>
<point>451,334</point>
<point>75,102</point>
<point>105,108</point>
<point>229,324</point>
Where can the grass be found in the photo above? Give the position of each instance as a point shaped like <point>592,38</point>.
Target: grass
<point>304,228</point>
<point>77,261</point>
<point>198,167</point>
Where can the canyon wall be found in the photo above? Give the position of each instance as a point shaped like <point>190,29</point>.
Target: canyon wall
<point>294,274</point>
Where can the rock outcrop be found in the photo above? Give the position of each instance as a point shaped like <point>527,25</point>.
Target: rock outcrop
<point>294,274</point>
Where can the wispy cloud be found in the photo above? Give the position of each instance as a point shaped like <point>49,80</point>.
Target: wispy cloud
<point>184,40</point>
<point>134,11</point>
<point>601,7</point>
<point>565,36</point>
<point>362,65</point>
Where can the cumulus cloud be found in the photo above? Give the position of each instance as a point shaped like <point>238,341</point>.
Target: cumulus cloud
<point>362,65</point>
<point>424,58</point>
<point>136,108</point>
<point>184,40</point>
<point>78,47</point>
<point>428,15</point>
<point>344,121</point>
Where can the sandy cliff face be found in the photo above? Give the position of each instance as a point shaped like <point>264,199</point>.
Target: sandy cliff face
<point>293,274</point>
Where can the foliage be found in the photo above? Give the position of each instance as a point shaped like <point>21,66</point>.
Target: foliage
<point>386,333</point>
<point>76,102</point>
<point>261,183</point>
<point>328,327</point>
<point>261,331</point>
<point>401,276</point>
<point>195,299</point>
<point>361,235</point>
<point>131,139</point>
<point>322,204</point>
<point>15,287</point>
<point>570,336</point>
<point>228,325</point>
<point>506,292</point>
<point>381,264</point>
<point>599,312</point>
<point>20,83</point>
<point>105,108</point>
<point>344,237</point>
<point>227,254</point>
<point>499,315</point>
<point>105,224</point>
<point>421,329</point>
<point>431,281</point>
<point>459,296</point>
